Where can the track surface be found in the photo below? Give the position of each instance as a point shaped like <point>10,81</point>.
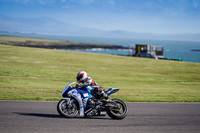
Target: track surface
<point>42,117</point>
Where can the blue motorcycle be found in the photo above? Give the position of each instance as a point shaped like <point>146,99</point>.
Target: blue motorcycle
<point>83,102</point>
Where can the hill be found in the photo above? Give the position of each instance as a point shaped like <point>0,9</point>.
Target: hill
<point>41,74</point>
<point>49,26</point>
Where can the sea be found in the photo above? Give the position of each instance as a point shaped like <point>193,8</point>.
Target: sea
<point>172,49</point>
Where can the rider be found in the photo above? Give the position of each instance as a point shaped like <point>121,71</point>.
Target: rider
<point>84,81</point>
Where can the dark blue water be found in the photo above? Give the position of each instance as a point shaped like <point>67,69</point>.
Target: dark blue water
<point>172,49</point>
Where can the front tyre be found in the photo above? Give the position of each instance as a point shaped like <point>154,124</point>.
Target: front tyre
<point>120,112</point>
<point>67,109</point>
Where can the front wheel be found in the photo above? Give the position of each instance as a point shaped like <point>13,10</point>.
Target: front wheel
<point>67,109</point>
<point>120,112</point>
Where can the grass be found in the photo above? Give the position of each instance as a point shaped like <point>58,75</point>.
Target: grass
<point>41,74</point>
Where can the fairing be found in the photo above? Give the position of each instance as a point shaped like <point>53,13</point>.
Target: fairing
<point>82,95</point>
<point>111,91</point>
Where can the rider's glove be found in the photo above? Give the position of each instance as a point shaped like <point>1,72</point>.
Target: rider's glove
<point>78,86</point>
<point>82,85</point>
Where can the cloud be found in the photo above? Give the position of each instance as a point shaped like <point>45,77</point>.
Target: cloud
<point>105,2</point>
<point>23,1</point>
<point>84,2</point>
<point>87,1</point>
<point>196,3</point>
<point>112,2</point>
<point>43,2</point>
<point>63,1</point>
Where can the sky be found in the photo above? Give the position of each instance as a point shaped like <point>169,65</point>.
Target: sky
<point>142,16</point>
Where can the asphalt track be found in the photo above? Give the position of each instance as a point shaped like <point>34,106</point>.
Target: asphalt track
<point>42,117</point>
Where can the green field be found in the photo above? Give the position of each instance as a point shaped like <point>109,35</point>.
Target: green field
<point>41,74</point>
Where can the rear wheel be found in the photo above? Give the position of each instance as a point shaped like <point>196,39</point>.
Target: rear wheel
<point>67,110</point>
<point>118,112</point>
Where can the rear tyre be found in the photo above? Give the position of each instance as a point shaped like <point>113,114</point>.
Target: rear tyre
<point>66,110</point>
<point>120,112</point>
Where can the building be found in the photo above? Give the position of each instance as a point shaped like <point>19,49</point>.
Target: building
<point>149,51</point>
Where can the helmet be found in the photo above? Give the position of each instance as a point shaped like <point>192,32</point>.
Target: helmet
<point>81,76</point>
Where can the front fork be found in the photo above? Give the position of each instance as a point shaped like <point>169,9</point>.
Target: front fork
<point>80,104</point>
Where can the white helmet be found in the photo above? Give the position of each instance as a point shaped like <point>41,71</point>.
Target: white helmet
<point>81,76</point>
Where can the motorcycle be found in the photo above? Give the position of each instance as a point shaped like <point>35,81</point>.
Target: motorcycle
<point>83,102</point>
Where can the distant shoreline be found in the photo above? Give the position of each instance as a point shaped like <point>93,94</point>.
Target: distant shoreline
<point>53,44</point>
<point>196,50</point>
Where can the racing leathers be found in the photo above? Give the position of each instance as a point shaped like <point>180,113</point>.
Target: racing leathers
<point>97,89</point>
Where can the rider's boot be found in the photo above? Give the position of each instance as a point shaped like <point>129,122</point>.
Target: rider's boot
<point>108,100</point>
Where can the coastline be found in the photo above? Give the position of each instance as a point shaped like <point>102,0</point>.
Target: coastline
<point>54,44</point>
<point>173,49</point>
